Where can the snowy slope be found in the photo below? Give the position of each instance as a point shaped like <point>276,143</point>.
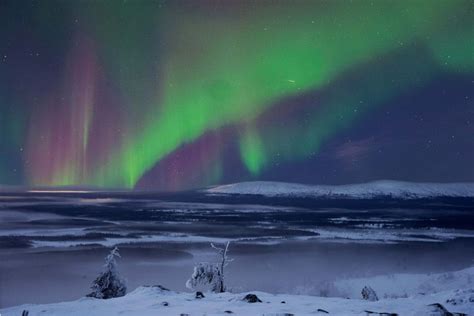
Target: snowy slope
<point>454,290</point>
<point>404,284</point>
<point>397,189</point>
<point>153,301</point>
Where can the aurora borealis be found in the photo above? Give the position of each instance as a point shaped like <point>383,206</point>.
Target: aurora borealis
<point>171,95</point>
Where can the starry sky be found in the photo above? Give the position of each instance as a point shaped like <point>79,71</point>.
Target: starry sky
<point>174,95</point>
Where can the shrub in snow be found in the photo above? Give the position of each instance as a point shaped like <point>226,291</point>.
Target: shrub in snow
<point>210,275</point>
<point>369,294</point>
<point>109,283</point>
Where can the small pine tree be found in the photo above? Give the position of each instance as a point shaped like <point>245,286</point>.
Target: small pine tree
<point>369,294</point>
<point>109,283</point>
<point>209,274</point>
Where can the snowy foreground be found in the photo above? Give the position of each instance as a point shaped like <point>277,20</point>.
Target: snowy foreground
<point>154,301</point>
<point>382,188</point>
<point>401,294</point>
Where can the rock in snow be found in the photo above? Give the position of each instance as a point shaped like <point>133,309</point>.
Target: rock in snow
<point>252,298</point>
<point>437,309</point>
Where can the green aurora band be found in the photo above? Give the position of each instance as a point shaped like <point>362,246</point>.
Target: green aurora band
<point>238,71</point>
<point>150,78</point>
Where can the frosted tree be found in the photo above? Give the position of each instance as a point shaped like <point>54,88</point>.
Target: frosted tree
<point>223,262</point>
<point>109,283</point>
<point>369,294</point>
<point>211,275</point>
<point>205,275</point>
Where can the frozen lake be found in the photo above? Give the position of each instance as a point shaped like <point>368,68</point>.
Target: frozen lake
<point>52,245</point>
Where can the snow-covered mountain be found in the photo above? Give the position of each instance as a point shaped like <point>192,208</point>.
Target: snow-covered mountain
<point>395,189</point>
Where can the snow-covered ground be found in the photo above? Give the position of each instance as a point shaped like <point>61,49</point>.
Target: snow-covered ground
<point>395,189</point>
<point>402,294</point>
<point>404,284</point>
<point>153,301</point>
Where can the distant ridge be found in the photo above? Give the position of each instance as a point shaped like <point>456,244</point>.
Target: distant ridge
<point>381,188</point>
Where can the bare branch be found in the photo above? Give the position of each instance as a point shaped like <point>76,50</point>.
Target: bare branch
<point>217,248</point>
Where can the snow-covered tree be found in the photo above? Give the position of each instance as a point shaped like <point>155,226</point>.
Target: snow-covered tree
<point>210,275</point>
<point>109,283</point>
<point>369,294</point>
<point>205,276</point>
<point>223,262</point>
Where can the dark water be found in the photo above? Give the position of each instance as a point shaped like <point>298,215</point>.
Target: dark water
<point>52,245</point>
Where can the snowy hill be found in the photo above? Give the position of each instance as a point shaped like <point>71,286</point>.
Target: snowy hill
<point>154,301</point>
<point>395,189</point>
<point>416,295</point>
<point>405,284</point>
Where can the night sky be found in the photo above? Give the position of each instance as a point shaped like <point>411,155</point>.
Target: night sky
<point>172,95</point>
